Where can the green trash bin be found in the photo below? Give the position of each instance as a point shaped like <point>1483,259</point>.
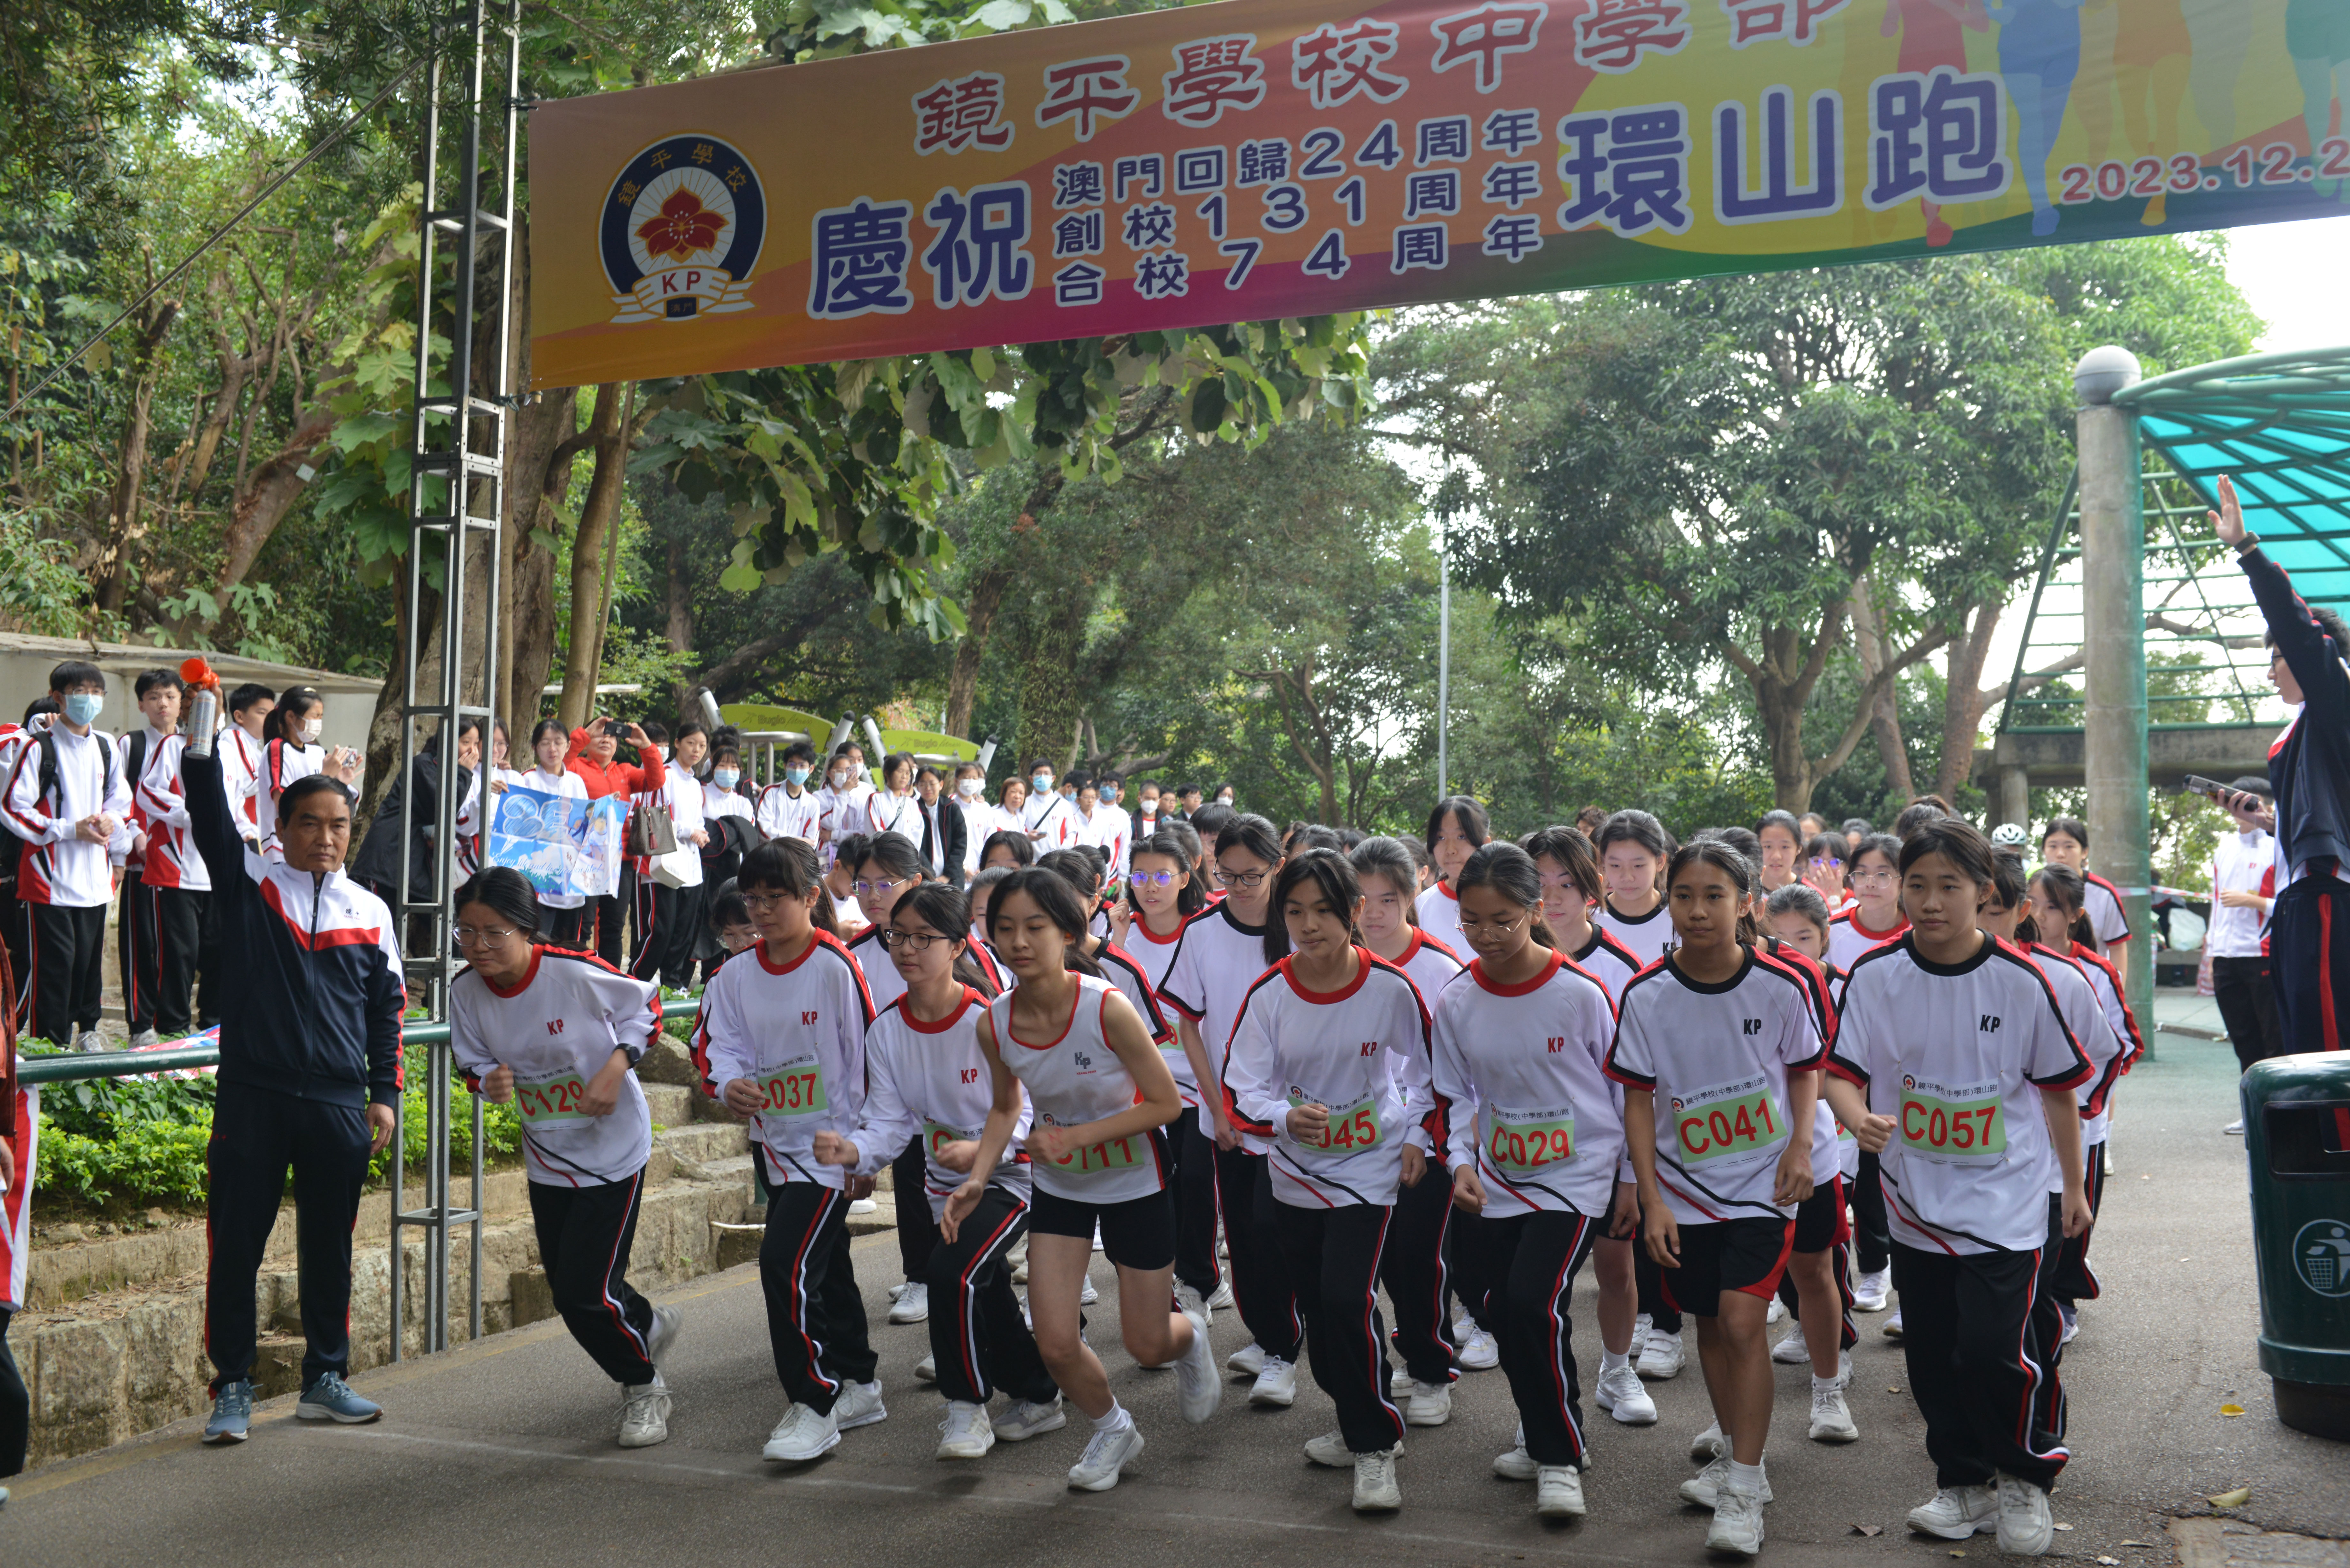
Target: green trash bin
<point>2297,1140</point>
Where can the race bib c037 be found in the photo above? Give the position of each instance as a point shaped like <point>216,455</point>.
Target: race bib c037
<point>794,1089</point>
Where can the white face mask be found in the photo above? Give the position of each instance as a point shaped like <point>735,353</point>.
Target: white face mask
<point>967,788</point>
<point>840,779</point>
<point>311,730</point>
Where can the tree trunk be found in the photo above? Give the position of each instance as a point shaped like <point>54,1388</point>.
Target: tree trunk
<point>985,597</point>
<point>125,525</point>
<point>1963,700</point>
<point>594,555</point>
<point>1309,732</point>
<point>679,631</point>
<point>1875,650</point>
<point>536,437</point>
<point>1050,700</point>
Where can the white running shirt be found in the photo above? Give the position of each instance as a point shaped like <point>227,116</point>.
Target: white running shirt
<point>798,1032</point>
<point>557,1029</point>
<point>932,1081</point>
<point>1217,959</point>
<point>1436,911</point>
<point>1647,938</point>
<point>1073,1079</point>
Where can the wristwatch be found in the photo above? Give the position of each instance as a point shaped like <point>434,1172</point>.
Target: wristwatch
<point>2246,545</point>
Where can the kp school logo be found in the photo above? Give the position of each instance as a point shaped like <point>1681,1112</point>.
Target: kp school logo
<point>681,229</point>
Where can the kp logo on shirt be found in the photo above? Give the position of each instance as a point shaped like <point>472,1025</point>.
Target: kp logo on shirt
<point>1085,1064</point>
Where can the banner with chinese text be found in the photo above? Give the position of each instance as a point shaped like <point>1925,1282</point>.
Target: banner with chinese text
<point>1261,158</point>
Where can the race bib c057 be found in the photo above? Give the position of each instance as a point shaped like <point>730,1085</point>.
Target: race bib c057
<point>1956,1125</point>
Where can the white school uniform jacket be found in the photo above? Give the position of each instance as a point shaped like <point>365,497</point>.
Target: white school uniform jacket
<point>1521,1077</point>
<point>1607,959</point>
<point>282,762</point>
<point>1054,812</point>
<point>2083,1004</point>
<point>1957,1055</point>
<point>556,1029</point>
<point>2102,902</point>
<point>932,1081</point>
<point>1436,911</point>
<point>2243,862</point>
<point>1360,1052</point>
<point>783,815</point>
<point>979,820</point>
<point>1647,938</point>
<point>1717,1057</point>
<point>796,1030</point>
<point>898,813</point>
<point>240,756</point>
<point>1109,827</point>
<point>172,860</point>
<point>1074,1079</point>
<point>54,865</point>
<point>842,812</point>
<point>1848,938</point>
<point>1217,959</point>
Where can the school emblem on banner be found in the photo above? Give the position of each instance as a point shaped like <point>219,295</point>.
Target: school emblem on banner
<point>681,229</point>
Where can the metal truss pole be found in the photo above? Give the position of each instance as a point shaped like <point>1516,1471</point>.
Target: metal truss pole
<point>456,498</point>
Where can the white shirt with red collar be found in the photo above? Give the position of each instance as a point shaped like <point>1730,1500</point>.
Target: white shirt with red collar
<point>172,860</point>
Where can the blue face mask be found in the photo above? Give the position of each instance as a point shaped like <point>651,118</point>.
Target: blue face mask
<point>795,775</point>
<point>727,777</point>
<point>84,707</point>
<point>1043,782</point>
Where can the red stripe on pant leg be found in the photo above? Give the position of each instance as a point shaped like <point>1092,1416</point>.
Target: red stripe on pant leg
<point>2333,1040</point>
<point>800,1298</point>
<point>1556,1314</point>
<point>967,1305</point>
<point>612,1267</point>
<point>2036,1379</point>
<point>1371,1347</point>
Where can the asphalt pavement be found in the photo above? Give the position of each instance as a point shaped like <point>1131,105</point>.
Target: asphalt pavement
<point>501,1452</point>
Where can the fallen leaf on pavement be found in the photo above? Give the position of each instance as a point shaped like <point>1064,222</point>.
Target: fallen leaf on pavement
<point>2236,1499</point>
<point>2060,1527</point>
<point>2232,1409</point>
<point>1868,1530</point>
<point>2111,1562</point>
<point>2141,1543</point>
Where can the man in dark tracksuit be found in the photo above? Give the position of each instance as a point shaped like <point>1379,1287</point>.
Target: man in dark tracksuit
<point>2309,767</point>
<point>309,1078</point>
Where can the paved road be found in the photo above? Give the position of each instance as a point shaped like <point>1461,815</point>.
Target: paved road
<point>500,1452</point>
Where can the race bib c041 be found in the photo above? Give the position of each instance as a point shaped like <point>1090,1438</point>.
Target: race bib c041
<point>1737,1123</point>
<point>1953,1123</point>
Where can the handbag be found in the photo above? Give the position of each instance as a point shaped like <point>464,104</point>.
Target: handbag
<point>649,831</point>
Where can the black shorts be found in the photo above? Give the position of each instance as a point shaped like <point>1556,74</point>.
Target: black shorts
<point>1137,1234</point>
<point>1746,1255</point>
<point>1819,1218</point>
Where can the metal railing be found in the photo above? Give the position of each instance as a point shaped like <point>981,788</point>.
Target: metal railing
<point>73,1067</point>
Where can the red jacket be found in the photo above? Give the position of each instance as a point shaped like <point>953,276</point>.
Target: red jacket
<point>615,777</point>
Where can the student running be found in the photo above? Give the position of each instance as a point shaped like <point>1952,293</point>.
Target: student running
<point>1718,1050</point>
<point>1535,1137</point>
<point>1981,1138</point>
<point>559,1034</point>
<point>1330,1063</point>
<point>1065,1043</point>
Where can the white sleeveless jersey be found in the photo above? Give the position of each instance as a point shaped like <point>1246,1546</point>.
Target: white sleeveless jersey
<point>1361,1053</point>
<point>1521,1079</point>
<point>1437,912</point>
<point>1957,1055</point>
<point>1217,959</point>
<point>1647,938</point>
<point>932,1081</point>
<point>557,1029</point>
<point>2081,997</point>
<point>797,1031</point>
<point>1073,1079</point>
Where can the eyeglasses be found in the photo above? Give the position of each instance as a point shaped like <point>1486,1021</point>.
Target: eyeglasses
<point>914,942</point>
<point>1150,878</point>
<point>1470,926</point>
<point>485,936</point>
<point>1241,881</point>
<point>881,886</point>
<point>1873,878</point>
<point>760,903</point>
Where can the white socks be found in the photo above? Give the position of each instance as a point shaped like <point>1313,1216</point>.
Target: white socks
<point>1609,1360</point>
<point>1117,1420</point>
<point>1745,1478</point>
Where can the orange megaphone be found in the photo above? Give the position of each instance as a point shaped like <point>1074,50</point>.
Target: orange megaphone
<point>198,675</point>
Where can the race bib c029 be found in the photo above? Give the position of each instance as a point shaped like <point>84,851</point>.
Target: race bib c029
<point>1731,1123</point>
<point>1956,1125</point>
<point>1528,1142</point>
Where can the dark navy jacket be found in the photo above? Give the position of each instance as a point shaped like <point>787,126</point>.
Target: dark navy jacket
<point>313,1004</point>
<point>2309,765</point>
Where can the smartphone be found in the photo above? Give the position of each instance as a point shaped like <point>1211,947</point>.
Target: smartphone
<point>616,729</point>
<point>2217,794</point>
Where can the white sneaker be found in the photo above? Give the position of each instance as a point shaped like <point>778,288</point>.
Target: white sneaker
<point>1089,1295</point>
<point>1622,1394</point>
<point>1097,1244</point>
<point>1663,1356</point>
<point>1893,1324</point>
<point>1777,1312</point>
<point>1479,1352</point>
<point>1869,1291</point>
<point>1956,1513</point>
<point>1707,1488</point>
<point>1189,1301</point>
<point>1517,1464</point>
<point>1709,1445</point>
<point>2025,1527</point>
<point>1375,1483</point>
<point>1399,1382</point>
<point>1330,1450</point>
<point>662,1336</point>
<point>1428,1404</point>
<point>913,1304</point>
<point>1247,1361</point>
<point>863,1205</point>
<point>965,1434</point>
<point>1737,1523</point>
<point>1791,1350</point>
<point>1027,1420</point>
<point>802,1435</point>
<point>926,1370</point>
<point>1223,1300</point>
<point>1277,1384</point>
<point>1831,1417</point>
<point>644,1415</point>
<point>2234,1128</point>
<point>1198,1389</point>
<point>2072,1316</point>
<point>859,1404</point>
<point>1105,1458</point>
<point>1558,1492</point>
<point>1640,1326</point>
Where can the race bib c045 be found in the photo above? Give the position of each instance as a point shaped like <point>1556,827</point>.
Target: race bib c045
<point>1351,1129</point>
